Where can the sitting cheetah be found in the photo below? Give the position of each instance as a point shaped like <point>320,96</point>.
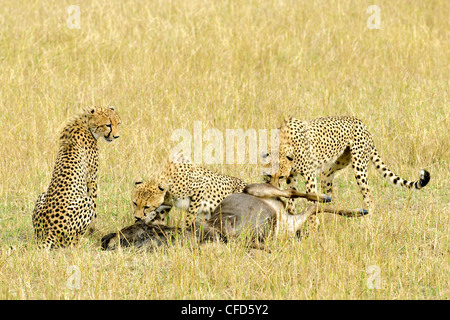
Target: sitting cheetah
<point>69,206</point>
<point>328,145</point>
<point>186,186</point>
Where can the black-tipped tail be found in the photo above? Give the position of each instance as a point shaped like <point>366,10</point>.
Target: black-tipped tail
<point>424,178</point>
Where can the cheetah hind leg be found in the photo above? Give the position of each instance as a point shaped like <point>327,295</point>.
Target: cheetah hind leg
<point>360,161</point>
<point>330,169</point>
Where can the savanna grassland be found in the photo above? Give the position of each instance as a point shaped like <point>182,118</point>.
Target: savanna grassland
<point>230,65</point>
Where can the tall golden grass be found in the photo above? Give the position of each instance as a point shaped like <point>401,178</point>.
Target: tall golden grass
<point>230,64</point>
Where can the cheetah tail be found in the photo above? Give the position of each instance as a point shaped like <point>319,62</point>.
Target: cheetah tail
<point>424,176</point>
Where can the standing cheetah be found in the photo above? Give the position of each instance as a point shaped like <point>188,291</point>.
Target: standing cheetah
<point>327,145</point>
<point>69,206</point>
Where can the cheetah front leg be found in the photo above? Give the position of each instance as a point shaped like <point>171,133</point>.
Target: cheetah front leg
<point>291,182</point>
<point>311,187</point>
<point>92,189</point>
<point>92,194</point>
<point>194,206</point>
<point>310,181</point>
<point>201,207</point>
<point>48,243</point>
<point>37,215</point>
<point>91,226</point>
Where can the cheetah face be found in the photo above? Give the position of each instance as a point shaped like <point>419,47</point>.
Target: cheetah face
<point>104,122</point>
<point>148,201</point>
<point>277,167</point>
<point>275,170</point>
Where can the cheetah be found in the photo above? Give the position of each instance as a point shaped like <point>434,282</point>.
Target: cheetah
<point>68,207</point>
<point>327,145</point>
<point>186,186</point>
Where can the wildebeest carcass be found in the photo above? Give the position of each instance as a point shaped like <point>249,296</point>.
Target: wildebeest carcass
<point>256,212</point>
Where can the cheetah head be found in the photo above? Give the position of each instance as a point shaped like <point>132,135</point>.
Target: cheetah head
<point>275,170</point>
<point>277,166</point>
<point>148,200</point>
<point>103,122</point>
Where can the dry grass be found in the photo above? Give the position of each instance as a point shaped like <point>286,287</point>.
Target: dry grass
<point>230,64</point>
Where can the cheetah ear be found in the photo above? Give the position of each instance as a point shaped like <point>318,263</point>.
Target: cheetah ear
<point>162,186</point>
<point>290,156</point>
<point>179,157</point>
<point>112,108</point>
<point>264,155</point>
<point>162,208</point>
<point>138,181</point>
